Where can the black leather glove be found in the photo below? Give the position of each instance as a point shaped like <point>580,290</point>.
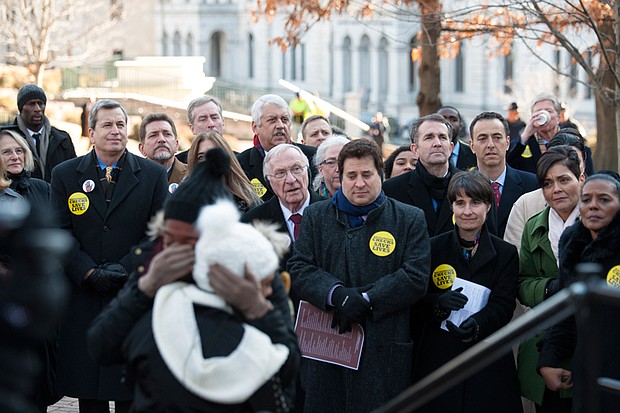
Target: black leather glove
<point>452,300</point>
<point>106,278</point>
<point>467,331</point>
<point>552,287</point>
<point>351,306</point>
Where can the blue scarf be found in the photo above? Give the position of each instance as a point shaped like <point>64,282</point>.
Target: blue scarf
<point>355,213</point>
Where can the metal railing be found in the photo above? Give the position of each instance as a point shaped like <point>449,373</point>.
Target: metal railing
<point>573,300</point>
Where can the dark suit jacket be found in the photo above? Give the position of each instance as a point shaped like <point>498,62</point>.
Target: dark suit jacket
<point>251,161</point>
<point>59,150</point>
<point>101,234</point>
<point>516,184</point>
<point>410,189</point>
<point>519,158</point>
<point>466,159</point>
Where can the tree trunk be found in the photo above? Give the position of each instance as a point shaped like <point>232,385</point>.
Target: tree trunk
<point>40,71</point>
<point>606,103</point>
<point>429,74</point>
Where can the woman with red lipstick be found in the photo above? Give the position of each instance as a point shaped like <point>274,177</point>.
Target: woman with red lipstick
<point>560,178</point>
<point>593,239</point>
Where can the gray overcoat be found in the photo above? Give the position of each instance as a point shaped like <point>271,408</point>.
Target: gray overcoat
<point>329,252</point>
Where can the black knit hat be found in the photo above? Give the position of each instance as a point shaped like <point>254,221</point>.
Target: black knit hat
<point>203,187</point>
<point>29,92</point>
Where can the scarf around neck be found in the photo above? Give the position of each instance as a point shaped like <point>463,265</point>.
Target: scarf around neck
<point>354,212</point>
<point>437,186</point>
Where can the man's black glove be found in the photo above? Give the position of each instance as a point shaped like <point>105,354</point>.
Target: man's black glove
<point>351,306</point>
<point>467,331</point>
<point>106,278</point>
<point>552,287</point>
<point>452,300</point>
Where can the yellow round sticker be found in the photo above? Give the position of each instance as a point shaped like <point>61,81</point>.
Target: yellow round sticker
<point>613,277</point>
<point>78,203</point>
<point>527,153</point>
<point>453,220</point>
<point>444,276</point>
<point>382,243</point>
<point>259,188</point>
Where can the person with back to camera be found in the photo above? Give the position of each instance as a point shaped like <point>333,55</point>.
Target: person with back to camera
<point>469,252</point>
<point>197,329</point>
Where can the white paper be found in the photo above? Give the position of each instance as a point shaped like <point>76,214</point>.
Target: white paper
<point>477,298</point>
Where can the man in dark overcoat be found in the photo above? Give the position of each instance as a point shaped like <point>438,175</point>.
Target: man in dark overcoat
<point>364,258</point>
<point>105,200</point>
<point>271,124</point>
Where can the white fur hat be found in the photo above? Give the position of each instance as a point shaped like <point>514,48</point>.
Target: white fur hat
<point>228,242</point>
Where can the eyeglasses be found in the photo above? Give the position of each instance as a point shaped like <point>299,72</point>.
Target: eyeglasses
<point>330,163</point>
<point>282,173</point>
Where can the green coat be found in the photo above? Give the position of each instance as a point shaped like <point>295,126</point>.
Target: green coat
<point>537,265</point>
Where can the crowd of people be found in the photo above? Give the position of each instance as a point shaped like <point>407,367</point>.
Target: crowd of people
<point>430,251</point>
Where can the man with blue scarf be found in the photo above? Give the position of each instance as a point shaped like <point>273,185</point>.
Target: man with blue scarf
<point>365,258</point>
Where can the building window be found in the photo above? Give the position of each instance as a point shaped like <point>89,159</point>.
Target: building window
<point>283,54</point>
<point>303,62</point>
<point>250,56</point>
<point>347,84</point>
<point>293,62</point>
<point>588,92</point>
<point>364,65</point>
<point>556,86</point>
<point>189,45</point>
<point>413,67</point>
<point>572,85</point>
<point>508,76</point>
<point>176,44</point>
<point>459,71</point>
<point>216,54</point>
<point>383,75</point>
<point>164,44</point>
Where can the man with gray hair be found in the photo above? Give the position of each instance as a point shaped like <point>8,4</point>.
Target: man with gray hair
<point>544,123</point>
<point>204,114</point>
<point>104,200</point>
<point>327,181</point>
<point>271,123</point>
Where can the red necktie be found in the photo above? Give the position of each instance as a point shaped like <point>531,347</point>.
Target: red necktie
<point>496,194</point>
<point>296,218</point>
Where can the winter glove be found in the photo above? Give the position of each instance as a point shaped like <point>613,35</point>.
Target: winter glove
<point>106,278</point>
<point>351,306</point>
<point>466,332</point>
<point>452,300</point>
<point>552,287</point>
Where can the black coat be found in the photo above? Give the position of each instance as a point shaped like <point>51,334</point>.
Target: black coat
<point>35,191</point>
<point>101,234</point>
<point>516,184</point>
<point>466,159</point>
<point>251,161</point>
<point>60,149</point>
<point>123,332</point>
<point>495,265</point>
<point>410,189</point>
<point>576,246</point>
<point>519,157</point>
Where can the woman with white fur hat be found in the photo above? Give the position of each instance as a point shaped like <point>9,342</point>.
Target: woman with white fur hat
<point>188,349</point>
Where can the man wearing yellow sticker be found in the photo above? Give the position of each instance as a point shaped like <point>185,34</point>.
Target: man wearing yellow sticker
<point>271,124</point>
<point>364,258</point>
<point>124,192</point>
<point>468,254</point>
